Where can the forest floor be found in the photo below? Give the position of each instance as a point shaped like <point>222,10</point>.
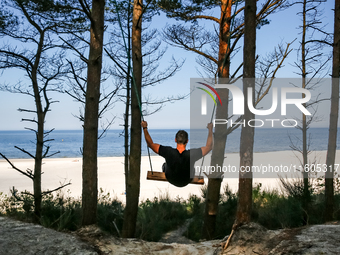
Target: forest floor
<point>25,238</point>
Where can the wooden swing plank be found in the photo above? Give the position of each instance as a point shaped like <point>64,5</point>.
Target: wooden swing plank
<point>160,176</point>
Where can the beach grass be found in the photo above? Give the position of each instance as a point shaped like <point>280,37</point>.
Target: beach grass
<point>274,209</point>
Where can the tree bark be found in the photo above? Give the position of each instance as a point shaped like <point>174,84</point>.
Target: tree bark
<point>90,142</point>
<point>244,207</point>
<point>38,160</point>
<point>39,150</point>
<point>133,182</point>
<point>333,121</point>
<point>220,136</point>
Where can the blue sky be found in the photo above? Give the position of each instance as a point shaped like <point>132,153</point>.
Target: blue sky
<point>283,28</point>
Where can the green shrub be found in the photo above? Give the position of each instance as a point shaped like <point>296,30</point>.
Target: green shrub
<point>60,212</point>
<point>110,214</point>
<point>195,208</point>
<point>278,212</point>
<point>159,216</point>
<point>224,219</point>
<point>226,213</point>
<point>18,205</point>
<point>273,209</point>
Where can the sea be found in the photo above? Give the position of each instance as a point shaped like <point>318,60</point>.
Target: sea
<point>69,142</point>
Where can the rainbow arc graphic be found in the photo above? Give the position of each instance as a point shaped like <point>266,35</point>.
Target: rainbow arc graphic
<point>204,98</point>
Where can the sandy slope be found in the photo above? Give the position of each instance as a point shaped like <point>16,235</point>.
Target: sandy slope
<point>24,238</point>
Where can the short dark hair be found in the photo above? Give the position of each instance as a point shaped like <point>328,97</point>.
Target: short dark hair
<point>182,137</point>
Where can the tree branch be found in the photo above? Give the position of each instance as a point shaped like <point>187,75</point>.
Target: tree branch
<point>50,191</point>
<point>24,151</point>
<point>86,9</point>
<point>29,175</point>
<point>284,56</point>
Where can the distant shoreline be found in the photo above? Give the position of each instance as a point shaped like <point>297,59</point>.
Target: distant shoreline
<point>154,155</point>
<point>70,142</point>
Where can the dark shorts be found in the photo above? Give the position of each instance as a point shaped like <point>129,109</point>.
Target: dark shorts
<point>164,167</point>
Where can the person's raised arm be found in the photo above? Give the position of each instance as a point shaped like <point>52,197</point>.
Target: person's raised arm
<point>208,146</point>
<point>148,139</point>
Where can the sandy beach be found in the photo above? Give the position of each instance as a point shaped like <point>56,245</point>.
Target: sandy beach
<point>111,174</point>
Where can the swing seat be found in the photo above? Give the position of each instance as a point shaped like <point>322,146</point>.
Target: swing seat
<point>160,176</point>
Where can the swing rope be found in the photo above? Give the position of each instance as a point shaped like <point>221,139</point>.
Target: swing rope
<point>132,76</point>
<point>212,116</point>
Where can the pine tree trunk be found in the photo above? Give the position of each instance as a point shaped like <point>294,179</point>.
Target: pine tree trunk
<point>133,182</point>
<point>333,122</point>
<point>90,140</point>
<point>244,207</point>
<point>38,165</point>
<point>40,132</point>
<point>220,136</point>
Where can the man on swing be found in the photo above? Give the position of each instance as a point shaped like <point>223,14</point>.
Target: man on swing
<point>179,162</point>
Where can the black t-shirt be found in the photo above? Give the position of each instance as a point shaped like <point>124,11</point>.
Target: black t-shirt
<point>180,166</point>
